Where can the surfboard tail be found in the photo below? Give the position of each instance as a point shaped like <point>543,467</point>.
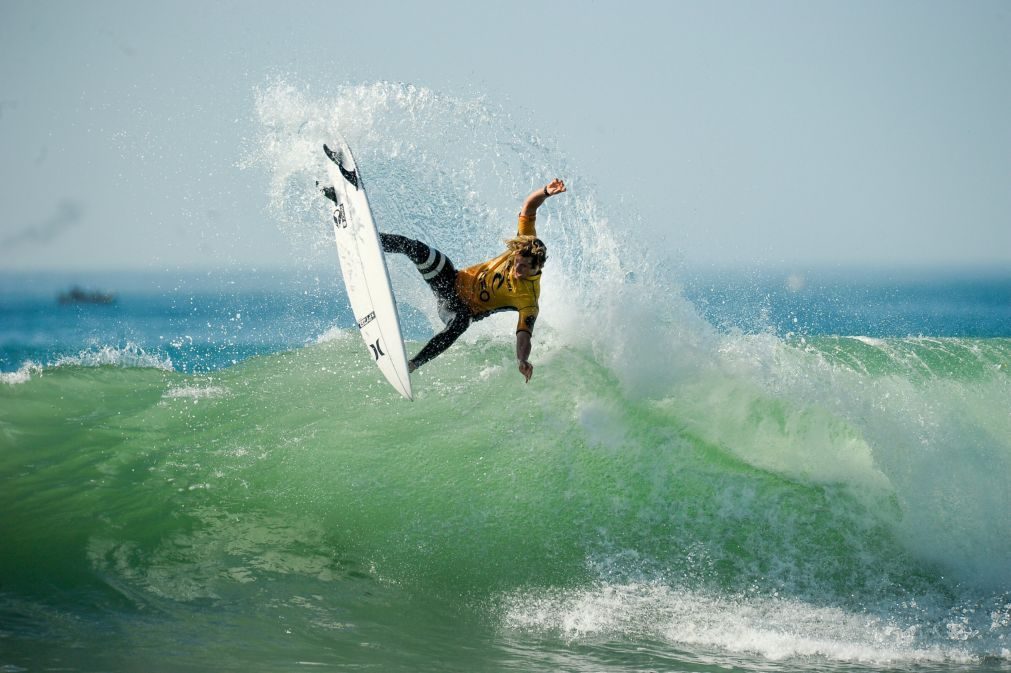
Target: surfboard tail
<point>341,158</point>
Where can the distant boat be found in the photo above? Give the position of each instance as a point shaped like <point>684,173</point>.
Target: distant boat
<point>78,295</point>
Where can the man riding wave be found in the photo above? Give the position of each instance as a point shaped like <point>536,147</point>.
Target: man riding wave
<point>508,282</point>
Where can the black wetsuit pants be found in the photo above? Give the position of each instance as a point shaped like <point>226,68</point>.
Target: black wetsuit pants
<point>440,274</point>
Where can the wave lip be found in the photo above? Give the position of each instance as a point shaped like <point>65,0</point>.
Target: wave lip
<point>130,356</point>
<point>22,375</point>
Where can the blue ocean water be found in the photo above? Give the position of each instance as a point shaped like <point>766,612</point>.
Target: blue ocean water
<point>877,302</point>
<point>776,470</point>
<point>187,321</point>
<point>199,321</point>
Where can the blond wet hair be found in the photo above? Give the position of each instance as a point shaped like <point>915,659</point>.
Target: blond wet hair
<point>529,246</point>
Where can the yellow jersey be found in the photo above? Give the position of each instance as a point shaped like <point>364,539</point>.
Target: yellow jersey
<point>490,287</point>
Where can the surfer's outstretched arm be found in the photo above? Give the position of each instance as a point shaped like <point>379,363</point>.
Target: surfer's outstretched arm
<point>537,197</point>
<point>523,355</point>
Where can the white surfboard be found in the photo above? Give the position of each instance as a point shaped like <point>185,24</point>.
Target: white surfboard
<point>363,266</point>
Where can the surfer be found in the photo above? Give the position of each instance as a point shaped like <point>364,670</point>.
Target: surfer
<point>509,282</point>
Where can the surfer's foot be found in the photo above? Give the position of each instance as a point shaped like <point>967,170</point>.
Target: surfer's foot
<point>328,192</point>
<point>411,366</point>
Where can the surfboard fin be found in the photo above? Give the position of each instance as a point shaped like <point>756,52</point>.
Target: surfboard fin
<point>333,156</point>
<point>328,192</point>
<point>338,158</point>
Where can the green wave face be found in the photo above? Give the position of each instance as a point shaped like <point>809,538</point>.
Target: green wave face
<point>299,484</point>
<point>304,463</point>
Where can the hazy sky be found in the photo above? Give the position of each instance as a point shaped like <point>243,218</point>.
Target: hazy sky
<point>799,132</point>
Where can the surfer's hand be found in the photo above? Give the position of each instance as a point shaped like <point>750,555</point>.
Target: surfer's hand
<point>539,196</point>
<point>556,186</point>
<point>526,369</point>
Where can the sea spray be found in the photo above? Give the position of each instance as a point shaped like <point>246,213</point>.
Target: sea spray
<point>447,171</point>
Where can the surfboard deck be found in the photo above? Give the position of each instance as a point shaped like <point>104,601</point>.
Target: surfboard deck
<point>363,266</point>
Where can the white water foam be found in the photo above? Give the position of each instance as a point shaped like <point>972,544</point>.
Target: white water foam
<point>774,628</point>
<point>195,392</point>
<point>334,334</point>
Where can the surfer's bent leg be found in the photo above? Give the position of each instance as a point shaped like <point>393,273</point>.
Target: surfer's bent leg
<point>437,269</point>
<point>417,252</point>
<point>443,340</point>
<point>440,274</point>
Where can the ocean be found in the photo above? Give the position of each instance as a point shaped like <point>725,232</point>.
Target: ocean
<point>782,469</point>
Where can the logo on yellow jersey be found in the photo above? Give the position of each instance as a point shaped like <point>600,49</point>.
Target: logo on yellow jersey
<point>496,282</point>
